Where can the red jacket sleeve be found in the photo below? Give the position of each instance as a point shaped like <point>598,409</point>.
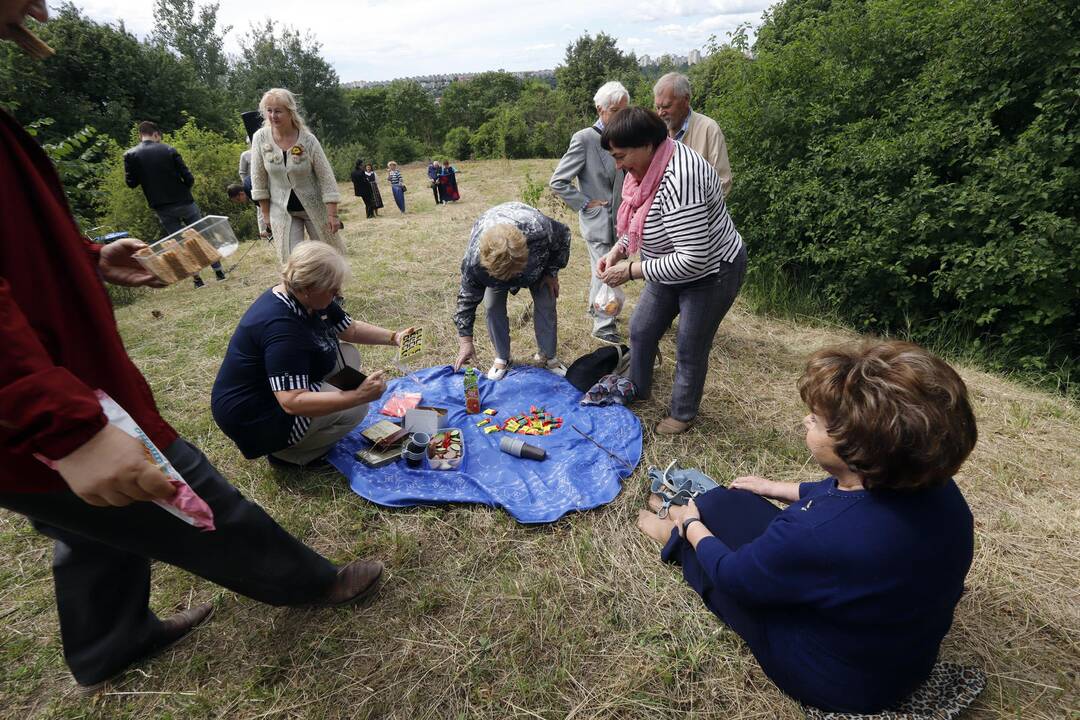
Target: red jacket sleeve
<point>43,408</point>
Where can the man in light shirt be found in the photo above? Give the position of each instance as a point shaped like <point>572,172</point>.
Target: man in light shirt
<point>671,98</point>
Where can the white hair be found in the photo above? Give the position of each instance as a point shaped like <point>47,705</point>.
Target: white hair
<point>680,84</point>
<point>609,94</point>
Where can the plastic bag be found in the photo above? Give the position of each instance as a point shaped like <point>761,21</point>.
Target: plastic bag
<point>609,301</point>
<point>185,504</point>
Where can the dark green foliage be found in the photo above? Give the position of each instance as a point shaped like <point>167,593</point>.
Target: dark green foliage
<point>80,163</point>
<point>273,56</point>
<point>471,103</point>
<point>589,63</point>
<point>917,163</point>
<point>457,144</point>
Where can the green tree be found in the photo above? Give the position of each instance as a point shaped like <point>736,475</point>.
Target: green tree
<point>279,56</point>
<point>457,144</point>
<point>411,109</point>
<point>470,103</point>
<point>104,77</point>
<point>368,110</point>
<point>589,63</point>
<point>194,36</point>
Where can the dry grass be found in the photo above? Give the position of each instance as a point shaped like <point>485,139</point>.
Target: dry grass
<point>481,617</point>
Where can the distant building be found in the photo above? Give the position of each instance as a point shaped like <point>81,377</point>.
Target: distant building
<point>694,58</point>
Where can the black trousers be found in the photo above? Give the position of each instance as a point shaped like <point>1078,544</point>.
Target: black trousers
<point>101,562</point>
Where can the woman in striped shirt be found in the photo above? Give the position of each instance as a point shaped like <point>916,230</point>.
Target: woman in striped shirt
<point>397,185</point>
<point>690,255</point>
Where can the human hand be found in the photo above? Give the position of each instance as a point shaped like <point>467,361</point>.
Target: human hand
<point>119,267</point>
<point>113,469</point>
<point>552,284</point>
<point>685,513</point>
<point>333,225</point>
<point>372,388</point>
<point>400,335</point>
<point>754,483</point>
<point>616,275</point>
<point>596,203</point>
<point>466,352</point>
<point>608,260</point>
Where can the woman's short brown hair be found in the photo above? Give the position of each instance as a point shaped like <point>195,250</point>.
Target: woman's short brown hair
<point>634,127</point>
<point>503,251</point>
<point>900,416</point>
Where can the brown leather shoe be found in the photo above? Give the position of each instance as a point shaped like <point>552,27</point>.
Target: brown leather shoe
<point>355,583</point>
<point>174,629</point>
<point>671,426</point>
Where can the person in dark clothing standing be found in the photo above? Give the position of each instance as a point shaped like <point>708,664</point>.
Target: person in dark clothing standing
<point>82,481</point>
<point>433,172</point>
<point>166,182</point>
<point>362,188</point>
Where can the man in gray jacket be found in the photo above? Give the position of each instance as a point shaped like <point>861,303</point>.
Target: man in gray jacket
<point>598,191</point>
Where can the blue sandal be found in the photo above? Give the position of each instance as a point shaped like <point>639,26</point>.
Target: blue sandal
<point>678,486</point>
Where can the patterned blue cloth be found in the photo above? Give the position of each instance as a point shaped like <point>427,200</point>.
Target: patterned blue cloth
<point>576,475</point>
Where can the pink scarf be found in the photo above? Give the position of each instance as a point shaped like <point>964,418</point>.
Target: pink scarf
<point>637,197</point>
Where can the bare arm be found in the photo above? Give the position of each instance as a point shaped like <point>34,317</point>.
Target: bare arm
<point>363,333</point>
<point>782,491</point>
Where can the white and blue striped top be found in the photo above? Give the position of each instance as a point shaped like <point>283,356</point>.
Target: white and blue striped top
<point>688,231</point>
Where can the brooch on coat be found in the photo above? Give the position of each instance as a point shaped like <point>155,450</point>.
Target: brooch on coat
<point>297,150</point>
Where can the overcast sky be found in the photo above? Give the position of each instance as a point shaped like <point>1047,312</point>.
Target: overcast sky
<point>386,39</point>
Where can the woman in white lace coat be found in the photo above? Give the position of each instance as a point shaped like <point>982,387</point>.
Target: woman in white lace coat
<point>291,178</point>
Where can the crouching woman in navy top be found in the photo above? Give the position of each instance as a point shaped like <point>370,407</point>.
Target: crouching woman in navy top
<point>845,596</point>
<point>270,397</point>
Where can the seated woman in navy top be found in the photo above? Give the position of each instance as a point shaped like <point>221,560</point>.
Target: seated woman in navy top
<point>844,596</point>
<point>270,397</point>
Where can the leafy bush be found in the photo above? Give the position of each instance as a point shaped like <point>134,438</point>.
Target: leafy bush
<point>917,162</point>
<point>343,158</point>
<point>532,191</point>
<point>80,163</point>
<point>457,144</point>
<point>394,144</point>
<point>212,159</point>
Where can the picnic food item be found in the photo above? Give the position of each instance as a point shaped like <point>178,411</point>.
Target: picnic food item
<point>199,247</point>
<point>446,450</point>
<point>609,301</point>
<point>399,403</point>
<point>189,250</point>
<point>537,422</point>
<point>472,391</point>
<point>411,343</point>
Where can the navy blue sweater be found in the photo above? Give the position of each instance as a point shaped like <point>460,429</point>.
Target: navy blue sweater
<point>856,589</point>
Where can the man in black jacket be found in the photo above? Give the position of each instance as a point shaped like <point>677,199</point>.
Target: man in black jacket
<point>166,182</point>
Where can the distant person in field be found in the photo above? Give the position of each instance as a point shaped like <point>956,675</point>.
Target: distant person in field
<point>448,187</point>
<point>671,97</point>
<point>362,188</point>
<point>291,178</point>
<point>845,596</point>
<point>433,172</point>
<point>397,185</point>
<point>373,181</point>
<point>690,255</point>
<point>166,182</point>
<point>512,246</point>
<point>252,122</point>
<point>596,196</point>
<point>87,484</point>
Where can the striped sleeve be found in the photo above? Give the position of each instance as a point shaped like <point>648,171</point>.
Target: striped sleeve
<point>688,232</point>
<point>284,381</point>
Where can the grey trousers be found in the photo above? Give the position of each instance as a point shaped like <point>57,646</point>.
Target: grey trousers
<point>545,320</point>
<point>102,556</point>
<point>324,432</point>
<point>700,305</point>
<point>597,250</point>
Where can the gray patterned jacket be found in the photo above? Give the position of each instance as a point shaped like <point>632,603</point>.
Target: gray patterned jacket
<point>549,251</point>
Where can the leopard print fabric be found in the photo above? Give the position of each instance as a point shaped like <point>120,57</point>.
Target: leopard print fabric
<point>945,694</point>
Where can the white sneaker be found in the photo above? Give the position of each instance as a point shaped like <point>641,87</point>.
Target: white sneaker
<point>553,364</point>
<point>498,369</point>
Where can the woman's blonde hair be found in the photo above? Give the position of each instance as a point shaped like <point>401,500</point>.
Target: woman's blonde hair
<point>503,251</point>
<point>314,265</point>
<point>283,97</point>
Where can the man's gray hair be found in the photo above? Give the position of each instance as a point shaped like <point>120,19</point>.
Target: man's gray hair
<point>610,93</point>
<point>680,84</point>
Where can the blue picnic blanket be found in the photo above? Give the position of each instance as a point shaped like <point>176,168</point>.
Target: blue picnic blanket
<point>576,475</point>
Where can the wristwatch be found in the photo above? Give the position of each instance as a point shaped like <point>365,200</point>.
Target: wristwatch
<point>688,522</point>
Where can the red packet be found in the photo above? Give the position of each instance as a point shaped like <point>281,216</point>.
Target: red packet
<point>399,403</point>
<point>185,504</point>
